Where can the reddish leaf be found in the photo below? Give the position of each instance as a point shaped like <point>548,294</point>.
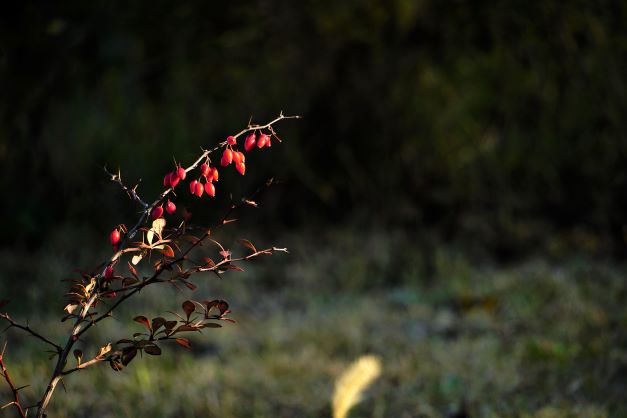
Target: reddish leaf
<point>128,281</point>
<point>185,328</point>
<point>183,342</point>
<point>142,320</point>
<point>188,308</point>
<point>157,323</point>
<point>211,325</point>
<point>190,286</point>
<point>128,354</point>
<point>153,350</point>
<point>168,251</point>
<point>247,244</point>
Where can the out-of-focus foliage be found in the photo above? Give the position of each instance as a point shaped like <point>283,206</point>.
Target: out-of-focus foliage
<point>500,123</point>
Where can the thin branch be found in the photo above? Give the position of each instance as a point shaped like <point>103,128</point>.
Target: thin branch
<point>28,329</point>
<point>16,395</point>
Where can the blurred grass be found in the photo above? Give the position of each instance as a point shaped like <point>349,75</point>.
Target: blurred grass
<point>528,340</point>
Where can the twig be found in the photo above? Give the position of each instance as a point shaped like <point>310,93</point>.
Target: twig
<point>16,395</point>
<point>28,329</point>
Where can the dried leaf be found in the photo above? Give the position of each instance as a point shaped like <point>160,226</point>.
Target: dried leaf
<point>209,262</point>
<point>153,350</point>
<point>157,226</point>
<point>104,350</point>
<point>183,342</point>
<point>189,308</point>
<point>69,308</point>
<point>247,244</point>
<point>142,320</point>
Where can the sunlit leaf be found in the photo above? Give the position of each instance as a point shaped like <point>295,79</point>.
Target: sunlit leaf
<point>104,350</point>
<point>167,251</point>
<point>157,226</point>
<point>136,259</point>
<point>69,308</point>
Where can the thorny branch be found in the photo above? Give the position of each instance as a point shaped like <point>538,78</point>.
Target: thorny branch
<point>16,395</point>
<point>78,328</point>
<point>28,329</point>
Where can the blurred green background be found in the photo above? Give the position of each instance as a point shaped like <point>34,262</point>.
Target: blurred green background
<point>454,197</point>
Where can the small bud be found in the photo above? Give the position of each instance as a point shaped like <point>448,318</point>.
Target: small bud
<point>108,273</point>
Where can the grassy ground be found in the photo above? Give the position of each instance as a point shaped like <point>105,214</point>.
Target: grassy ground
<point>531,340</point>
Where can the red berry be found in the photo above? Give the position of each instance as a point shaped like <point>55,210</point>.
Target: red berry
<point>170,207</point>
<point>236,157</point>
<point>250,142</point>
<point>199,189</point>
<point>205,169</point>
<point>227,157</point>
<point>108,273</point>
<point>114,237</point>
<point>242,158</point>
<point>157,212</point>
<point>210,189</point>
<point>231,140</point>
<point>174,179</point>
<point>263,140</point>
<point>166,180</point>
<point>214,174</point>
<point>241,167</point>
<point>192,186</point>
<point>181,173</point>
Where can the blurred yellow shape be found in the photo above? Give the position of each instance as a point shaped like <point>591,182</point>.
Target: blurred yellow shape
<point>350,386</point>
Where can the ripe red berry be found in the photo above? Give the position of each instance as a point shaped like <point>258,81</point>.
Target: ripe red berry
<point>214,174</point>
<point>166,180</point>
<point>181,173</point>
<point>241,167</point>
<point>170,207</point>
<point>210,189</point>
<point>199,189</point>
<point>114,237</point>
<point>174,179</point>
<point>250,142</point>
<point>242,157</point>
<point>231,140</point>
<point>227,157</point>
<point>157,212</point>
<point>236,157</point>
<point>192,186</point>
<point>205,169</point>
<point>263,140</point>
<point>108,273</point>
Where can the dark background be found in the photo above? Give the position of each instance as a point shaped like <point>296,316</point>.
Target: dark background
<point>498,126</point>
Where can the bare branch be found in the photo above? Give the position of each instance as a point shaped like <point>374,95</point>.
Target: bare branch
<point>28,329</point>
<point>16,395</point>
